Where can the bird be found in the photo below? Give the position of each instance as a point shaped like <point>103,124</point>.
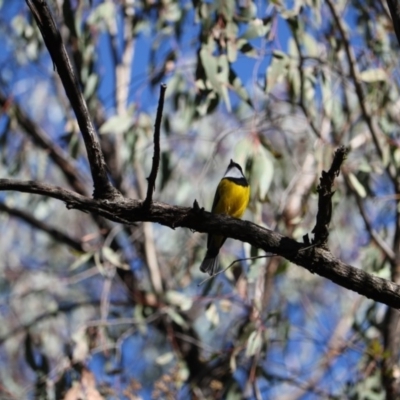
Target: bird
<point>231,198</point>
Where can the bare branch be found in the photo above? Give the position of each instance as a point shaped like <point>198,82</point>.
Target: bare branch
<point>325,193</point>
<point>355,76</point>
<point>316,260</point>
<point>41,139</point>
<point>51,231</point>
<point>156,156</point>
<point>395,13</point>
<point>52,38</point>
<point>384,247</point>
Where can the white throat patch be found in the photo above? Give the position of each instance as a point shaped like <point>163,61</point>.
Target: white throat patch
<point>233,172</point>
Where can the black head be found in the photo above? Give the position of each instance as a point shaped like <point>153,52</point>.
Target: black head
<point>234,170</point>
<point>232,164</point>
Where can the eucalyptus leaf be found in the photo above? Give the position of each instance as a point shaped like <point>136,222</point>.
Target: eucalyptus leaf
<point>117,124</point>
<point>212,315</point>
<point>357,186</point>
<point>276,71</point>
<point>373,75</point>
<point>257,28</point>
<point>254,343</point>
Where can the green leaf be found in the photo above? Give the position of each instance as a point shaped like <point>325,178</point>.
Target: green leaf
<point>117,124</point>
<point>262,173</point>
<point>327,97</point>
<point>276,71</point>
<point>257,28</point>
<point>90,86</point>
<point>112,257</point>
<point>373,75</point>
<point>357,186</point>
<point>237,86</point>
<point>165,358</point>
<point>212,315</point>
<point>210,66</point>
<point>247,11</point>
<point>176,317</point>
<point>104,13</point>
<point>84,258</point>
<point>223,75</point>
<point>231,30</point>
<point>254,343</point>
<point>227,9</point>
<point>311,45</point>
<point>232,51</point>
<point>179,299</point>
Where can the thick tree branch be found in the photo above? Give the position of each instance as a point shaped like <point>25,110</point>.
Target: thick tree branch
<point>316,260</point>
<point>156,155</point>
<point>52,38</point>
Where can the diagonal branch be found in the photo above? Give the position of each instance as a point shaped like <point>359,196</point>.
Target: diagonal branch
<point>40,138</point>
<point>156,156</point>
<point>315,260</point>
<point>383,246</point>
<point>53,232</point>
<point>355,76</point>
<point>52,38</point>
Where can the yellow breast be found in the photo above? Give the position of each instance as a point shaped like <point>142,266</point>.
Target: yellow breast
<point>231,198</point>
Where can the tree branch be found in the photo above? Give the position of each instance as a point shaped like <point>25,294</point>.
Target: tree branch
<point>383,246</point>
<point>40,138</point>
<point>395,13</point>
<point>325,193</point>
<point>52,38</point>
<point>53,232</point>
<point>355,76</point>
<point>156,155</point>
<point>315,260</point>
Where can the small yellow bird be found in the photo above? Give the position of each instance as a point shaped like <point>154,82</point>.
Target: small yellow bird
<point>231,198</point>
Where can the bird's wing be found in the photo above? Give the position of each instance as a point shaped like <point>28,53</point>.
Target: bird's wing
<point>216,199</point>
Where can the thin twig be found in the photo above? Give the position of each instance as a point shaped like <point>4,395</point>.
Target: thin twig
<point>156,155</point>
<point>232,263</point>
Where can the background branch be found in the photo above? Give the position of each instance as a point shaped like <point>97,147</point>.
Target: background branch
<point>53,232</point>
<point>41,139</point>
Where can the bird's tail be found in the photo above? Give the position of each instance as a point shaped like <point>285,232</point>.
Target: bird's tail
<point>210,263</point>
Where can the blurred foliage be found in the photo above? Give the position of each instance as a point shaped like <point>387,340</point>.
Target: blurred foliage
<point>93,307</point>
